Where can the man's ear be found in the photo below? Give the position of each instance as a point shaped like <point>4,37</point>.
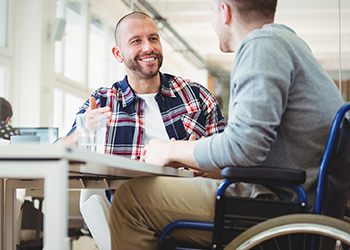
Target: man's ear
<point>7,120</point>
<point>225,8</point>
<point>117,54</point>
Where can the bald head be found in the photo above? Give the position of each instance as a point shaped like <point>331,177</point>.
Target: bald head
<point>133,15</point>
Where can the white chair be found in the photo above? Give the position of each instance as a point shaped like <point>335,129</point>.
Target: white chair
<point>94,207</point>
<point>95,211</point>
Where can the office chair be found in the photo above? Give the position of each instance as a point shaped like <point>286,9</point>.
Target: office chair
<point>95,207</point>
<point>30,220</point>
<point>95,211</point>
<point>248,222</point>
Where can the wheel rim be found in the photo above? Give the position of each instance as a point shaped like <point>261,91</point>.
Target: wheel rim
<point>297,228</point>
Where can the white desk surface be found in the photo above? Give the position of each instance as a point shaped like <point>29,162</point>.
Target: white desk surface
<point>54,165</point>
<point>85,163</point>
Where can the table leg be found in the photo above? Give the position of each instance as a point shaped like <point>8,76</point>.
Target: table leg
<point>2,212</point>
<point>55,195</point>
<point>55,175</point>
<point>10,218</point>
<point>11,231</point>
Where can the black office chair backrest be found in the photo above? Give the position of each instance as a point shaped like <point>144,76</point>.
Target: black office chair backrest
<point>334,174</point>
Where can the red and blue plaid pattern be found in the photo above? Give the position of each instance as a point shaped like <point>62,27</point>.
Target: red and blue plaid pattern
<point>186,108</point>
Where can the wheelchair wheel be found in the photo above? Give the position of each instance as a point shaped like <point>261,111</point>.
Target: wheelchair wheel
<point>297,232</point>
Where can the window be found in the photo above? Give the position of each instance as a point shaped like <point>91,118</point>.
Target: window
<point>97,70</point>
<point>69,53</point>
<point>4,71</point>
<point>3,81</point>
<point>84,56</point>
<point>4,23</point>
<point>73,64</point>
<point>60,13</point>
<point>83,59</point>
<point>65,107</point>
<point>71,105</point>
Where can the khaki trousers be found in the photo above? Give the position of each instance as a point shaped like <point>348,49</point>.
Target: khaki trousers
<point>144,206</point>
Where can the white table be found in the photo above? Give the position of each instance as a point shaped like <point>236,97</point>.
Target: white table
<point>56,168</point>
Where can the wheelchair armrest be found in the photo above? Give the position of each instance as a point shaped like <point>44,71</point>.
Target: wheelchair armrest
<point>264,174</point>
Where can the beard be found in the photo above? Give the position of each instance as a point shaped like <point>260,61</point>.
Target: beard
<point>133,65</point>
<point>225,47</point>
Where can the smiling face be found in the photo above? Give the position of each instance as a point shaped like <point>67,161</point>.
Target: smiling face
<point>139,47</point>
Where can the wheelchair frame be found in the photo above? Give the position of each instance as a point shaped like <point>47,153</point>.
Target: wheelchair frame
<point>293,178</point>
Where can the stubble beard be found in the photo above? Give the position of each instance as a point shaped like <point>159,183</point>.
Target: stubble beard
<point>133,65</point>
<point>225,47</point>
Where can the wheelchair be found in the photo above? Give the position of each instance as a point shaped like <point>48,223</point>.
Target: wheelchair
<point>244,223</point>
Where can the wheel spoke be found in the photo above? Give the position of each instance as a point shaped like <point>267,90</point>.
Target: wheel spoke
<point>295,232</point>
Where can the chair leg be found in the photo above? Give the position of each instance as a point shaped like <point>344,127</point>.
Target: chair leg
<point>39,220</point>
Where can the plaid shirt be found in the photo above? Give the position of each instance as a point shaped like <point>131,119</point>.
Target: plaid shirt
<point>186,108</point>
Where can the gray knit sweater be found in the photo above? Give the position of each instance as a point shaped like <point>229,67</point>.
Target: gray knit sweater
<point>282,104</point>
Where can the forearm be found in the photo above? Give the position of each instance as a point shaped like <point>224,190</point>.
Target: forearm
<point>182,152</point>
<point>170,153</point>
<point>71,139</point>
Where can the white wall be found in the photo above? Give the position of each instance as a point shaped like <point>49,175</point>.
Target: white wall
<point>33,75</point>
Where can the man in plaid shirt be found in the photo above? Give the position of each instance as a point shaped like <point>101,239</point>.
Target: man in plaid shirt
<point>185,108</point>
<point>146,103</point>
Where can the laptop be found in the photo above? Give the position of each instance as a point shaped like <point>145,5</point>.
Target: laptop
<point>47,135</point>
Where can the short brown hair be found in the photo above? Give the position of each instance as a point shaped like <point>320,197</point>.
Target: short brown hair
<point>5,109</point>
<point>132,15</point>
<point>254,10</point>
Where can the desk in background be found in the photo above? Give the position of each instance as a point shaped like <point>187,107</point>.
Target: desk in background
<point>57,168</point>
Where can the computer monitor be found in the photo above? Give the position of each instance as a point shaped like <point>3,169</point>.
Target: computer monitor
<point>47,134</point>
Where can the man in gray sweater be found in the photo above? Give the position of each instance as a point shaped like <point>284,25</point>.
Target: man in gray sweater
<point>281,109</point>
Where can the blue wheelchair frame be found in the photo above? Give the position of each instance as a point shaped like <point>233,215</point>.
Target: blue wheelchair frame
<point>329,162</point>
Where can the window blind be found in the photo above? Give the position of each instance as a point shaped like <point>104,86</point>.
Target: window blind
<point>73,62</point>
<point>97,62</point>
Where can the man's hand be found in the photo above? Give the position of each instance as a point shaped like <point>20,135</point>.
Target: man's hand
<point>155,143</point>
<point>170,153</point>
<point>91,113</point>
<point>156,152</point>
<point>160,153</point>
<point>208,174</point>
<point>93,110</point>
<point>72,138</point>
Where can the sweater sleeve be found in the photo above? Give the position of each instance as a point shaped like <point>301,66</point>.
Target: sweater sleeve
<point>260,83</point>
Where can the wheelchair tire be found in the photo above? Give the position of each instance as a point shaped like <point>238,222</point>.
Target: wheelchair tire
<point>294,232</point>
